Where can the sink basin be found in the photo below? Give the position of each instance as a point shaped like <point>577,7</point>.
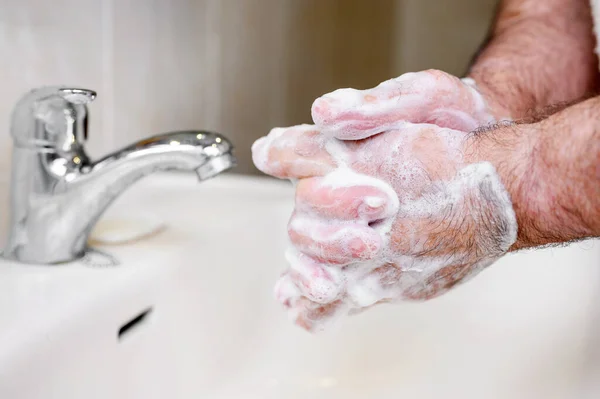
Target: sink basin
<point>188,313</point>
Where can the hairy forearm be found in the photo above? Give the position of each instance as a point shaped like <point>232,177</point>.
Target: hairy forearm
<point>540,53</point>
<point>552,172</point>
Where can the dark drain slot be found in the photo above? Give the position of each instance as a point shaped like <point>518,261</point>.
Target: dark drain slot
<point>135,322</point>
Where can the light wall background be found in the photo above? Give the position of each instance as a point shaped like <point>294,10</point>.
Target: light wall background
<point>238,67</point>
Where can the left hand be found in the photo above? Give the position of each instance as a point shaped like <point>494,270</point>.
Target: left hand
<point>401,215</point>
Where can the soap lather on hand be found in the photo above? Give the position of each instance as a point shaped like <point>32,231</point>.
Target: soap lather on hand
<point>406,189</point>
<point>392,202</point>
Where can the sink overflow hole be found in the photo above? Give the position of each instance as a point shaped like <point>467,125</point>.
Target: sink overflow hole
<point>136,321</point>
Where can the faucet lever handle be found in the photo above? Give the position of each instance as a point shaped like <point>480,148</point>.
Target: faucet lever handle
<point>77,96</point>
<point>54,117</point>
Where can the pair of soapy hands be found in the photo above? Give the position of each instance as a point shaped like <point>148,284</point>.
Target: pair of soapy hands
<point>389,205</point>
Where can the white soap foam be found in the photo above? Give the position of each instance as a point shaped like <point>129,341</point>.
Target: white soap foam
<point>286,289</point>
<point>395,97</point>
<point>374,202</point>
<point>361,284</point>
<point>365,293</point>
<point>344,235</point>
<point>345,177</point>
<point>363,287</point>
<point>386,106</point>
<point>324,283</point>
<point>276,139</point>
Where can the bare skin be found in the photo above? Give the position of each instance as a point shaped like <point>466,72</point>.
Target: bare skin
<point>539,59</point>
<point>540,54</point>
<point>552,171</point>
<point>550,168</point>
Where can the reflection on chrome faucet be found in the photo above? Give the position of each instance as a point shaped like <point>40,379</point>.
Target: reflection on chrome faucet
<point>58,193</point>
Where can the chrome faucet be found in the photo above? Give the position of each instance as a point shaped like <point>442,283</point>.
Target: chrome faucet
<point>58,193</point>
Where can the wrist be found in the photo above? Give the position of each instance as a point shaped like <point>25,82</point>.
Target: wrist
<point>517,154</point>
<point>508,149</point>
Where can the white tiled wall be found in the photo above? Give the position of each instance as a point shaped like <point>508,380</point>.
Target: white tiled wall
<point>235,66</point>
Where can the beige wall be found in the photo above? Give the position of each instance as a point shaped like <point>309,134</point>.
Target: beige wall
<point>234,66</point>
<point>442,34</point>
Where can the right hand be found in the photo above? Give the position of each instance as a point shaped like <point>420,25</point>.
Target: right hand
<point>430,96</point>
<point>441,109</point>
<point>402,215</point>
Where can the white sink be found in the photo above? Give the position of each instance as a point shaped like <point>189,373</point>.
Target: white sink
<point>523,329</point>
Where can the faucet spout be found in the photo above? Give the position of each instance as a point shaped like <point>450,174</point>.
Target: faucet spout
<point>58,194</point>
<point>204,152</point>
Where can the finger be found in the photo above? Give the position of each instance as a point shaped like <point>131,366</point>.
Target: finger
<point>338,243</point>
<point>315,281</point>
<point>423,97</point>
<point>286,292</point>
<point>315,317</point>
<point>294,152</point>
<point>304,312</point>
<point>334,199</point>
<point>379,285</point>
